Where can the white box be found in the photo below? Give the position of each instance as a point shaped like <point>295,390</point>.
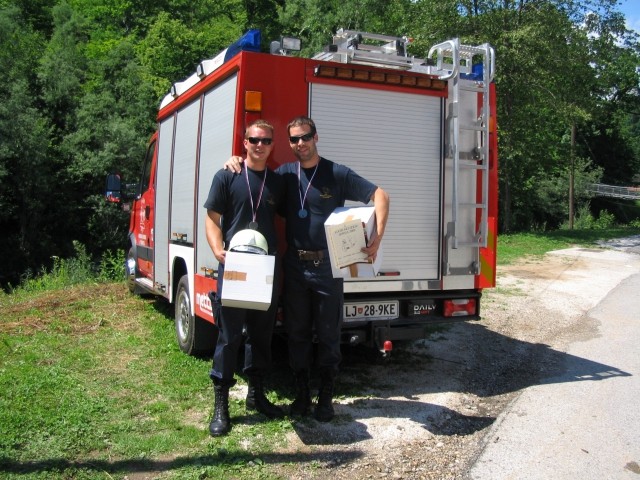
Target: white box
<point>347,230</point>
<point>248,280</point>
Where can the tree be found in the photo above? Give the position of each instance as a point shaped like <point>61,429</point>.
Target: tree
<point>172,49</point>
<point>316,21</point>
<point>25,177</point>
<point>113,124</point>
<point>610,138</point>
<point>62,68</point>
<point>548,84</point>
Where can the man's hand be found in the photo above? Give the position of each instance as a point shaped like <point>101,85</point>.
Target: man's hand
<point>234,164</point>
<point>221,255</point>
<point>372,248</point>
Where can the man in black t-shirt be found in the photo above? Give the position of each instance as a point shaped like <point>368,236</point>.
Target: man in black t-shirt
<point>236,203</point>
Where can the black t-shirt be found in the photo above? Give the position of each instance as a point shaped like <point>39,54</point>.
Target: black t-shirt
<point>331,186</point>
<point>229,196</point>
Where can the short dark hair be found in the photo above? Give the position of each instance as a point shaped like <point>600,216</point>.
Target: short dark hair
<point>300,121</point>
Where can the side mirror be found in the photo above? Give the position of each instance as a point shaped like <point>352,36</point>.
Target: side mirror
<point>113,190</point>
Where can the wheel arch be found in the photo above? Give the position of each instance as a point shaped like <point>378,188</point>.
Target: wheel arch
<point>178,271</point>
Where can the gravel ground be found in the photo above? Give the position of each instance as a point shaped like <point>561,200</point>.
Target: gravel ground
<point>427,413</point>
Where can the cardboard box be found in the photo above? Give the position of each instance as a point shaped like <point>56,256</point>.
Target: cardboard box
<point>348,230</point>
<point>248,280</point>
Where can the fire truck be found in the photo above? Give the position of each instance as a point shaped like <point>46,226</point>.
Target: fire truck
<point>423,129</point>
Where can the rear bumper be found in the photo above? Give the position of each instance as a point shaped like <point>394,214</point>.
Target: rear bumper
<point>375,334</point>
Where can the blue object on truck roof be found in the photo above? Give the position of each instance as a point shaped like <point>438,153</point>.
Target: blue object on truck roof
<point>250,41</point>
<point>476,73</point>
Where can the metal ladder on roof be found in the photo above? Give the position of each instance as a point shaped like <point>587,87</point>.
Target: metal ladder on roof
<point>454,63</point>
<point>354,46</point>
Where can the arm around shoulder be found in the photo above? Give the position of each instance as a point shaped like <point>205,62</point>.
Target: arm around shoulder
<point>234,164</point>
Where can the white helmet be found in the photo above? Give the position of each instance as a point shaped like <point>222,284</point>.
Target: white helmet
<point>249,241</point>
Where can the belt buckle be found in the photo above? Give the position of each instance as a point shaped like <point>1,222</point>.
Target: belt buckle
<point>310,256</point>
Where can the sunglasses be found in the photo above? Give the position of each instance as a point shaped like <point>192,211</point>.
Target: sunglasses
<point>305,138</point>
<point>257,140</point>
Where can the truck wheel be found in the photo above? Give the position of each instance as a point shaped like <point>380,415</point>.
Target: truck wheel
<point>195,335</point>
<point>130,270</point>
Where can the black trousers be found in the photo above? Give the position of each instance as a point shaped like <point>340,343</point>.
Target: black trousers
<point>313,306</point>
<point>258,326</point>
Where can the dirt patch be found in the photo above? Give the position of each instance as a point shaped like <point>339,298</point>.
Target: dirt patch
<point>426,413</point>
<point>64,309</point>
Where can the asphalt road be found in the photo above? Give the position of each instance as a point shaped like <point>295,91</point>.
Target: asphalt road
<point>585,423</point>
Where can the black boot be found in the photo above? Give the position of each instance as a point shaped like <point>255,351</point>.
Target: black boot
<point>301,406</point>
<point>221,423</point>
<point>324,409</point>
<point>256,399</point>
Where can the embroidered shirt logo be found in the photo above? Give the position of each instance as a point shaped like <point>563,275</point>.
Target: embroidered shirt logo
<point>326,193</point>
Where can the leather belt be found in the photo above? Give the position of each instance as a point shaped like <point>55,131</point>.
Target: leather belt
<point>310,255</point>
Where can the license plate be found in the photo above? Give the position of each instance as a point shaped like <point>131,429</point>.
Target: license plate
<point>355,311</point>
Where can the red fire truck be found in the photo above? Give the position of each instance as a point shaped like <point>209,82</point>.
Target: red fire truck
<point>423,129</point>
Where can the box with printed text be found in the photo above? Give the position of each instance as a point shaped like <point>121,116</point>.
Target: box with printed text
<point>248,280</point>
<point>348,230</point>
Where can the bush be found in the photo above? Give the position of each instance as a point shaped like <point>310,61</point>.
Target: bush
<point>584,220</point>
<point>76,270</point>
<point>605,220</point>
<point>111,268</point>
<point>64,272</point>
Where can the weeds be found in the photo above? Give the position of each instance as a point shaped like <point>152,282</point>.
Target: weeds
<point>77,270</point>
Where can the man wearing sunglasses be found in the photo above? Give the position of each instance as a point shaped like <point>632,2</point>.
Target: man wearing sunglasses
<point>236,203</point>
<point>313,299</point>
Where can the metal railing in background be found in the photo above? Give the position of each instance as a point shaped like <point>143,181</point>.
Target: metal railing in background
<point>600,190</point>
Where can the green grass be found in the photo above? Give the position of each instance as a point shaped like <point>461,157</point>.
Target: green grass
<point>514,246</point>
<point>93,385</point>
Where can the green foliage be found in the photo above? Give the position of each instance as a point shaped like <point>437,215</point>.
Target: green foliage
<point>585,220</point>
<point>62,67</point>
<point>172,49</point>
<point>77,270</point>
<point>605,221</point>
<point>559,65</point>
<point>26,181</point>
<point>64,273</point>
<point>83,81</point>
<point>111,268</point>
<point>548,202</point>
<point>315,21</point>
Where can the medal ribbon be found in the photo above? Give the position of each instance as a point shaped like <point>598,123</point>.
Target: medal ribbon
<point>254,211</point>
<point>303,199</point>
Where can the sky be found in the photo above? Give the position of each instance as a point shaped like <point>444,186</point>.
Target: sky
<point>631,10</point>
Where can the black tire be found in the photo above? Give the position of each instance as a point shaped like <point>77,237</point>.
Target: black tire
<point>195,336</point>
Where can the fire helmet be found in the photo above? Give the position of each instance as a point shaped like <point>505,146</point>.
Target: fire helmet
<point>249,241</point>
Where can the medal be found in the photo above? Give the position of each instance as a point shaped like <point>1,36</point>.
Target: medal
<point>253,225</point>
<point>302,213</point>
